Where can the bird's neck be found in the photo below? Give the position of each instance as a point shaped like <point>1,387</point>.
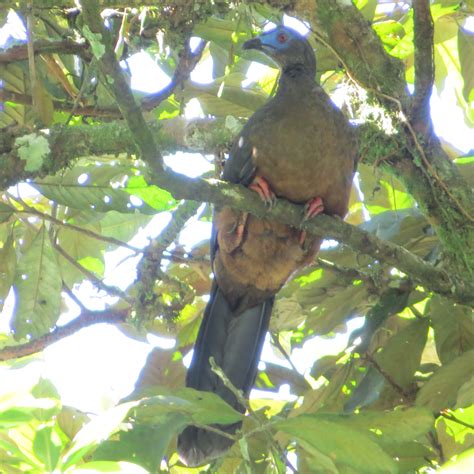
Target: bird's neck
<point>295,78</point>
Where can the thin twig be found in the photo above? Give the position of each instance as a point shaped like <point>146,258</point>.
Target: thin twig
<point>387,377</point>
<point>215,430</point>
<point>450,416</point>
<point>245,403</point>
<point>95,281</point>
<point>74,298</point>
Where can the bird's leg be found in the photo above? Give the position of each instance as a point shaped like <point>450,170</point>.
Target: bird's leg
<point>312,208</point>
<point>262,188</point>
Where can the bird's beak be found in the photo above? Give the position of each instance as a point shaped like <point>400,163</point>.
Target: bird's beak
<point>254,43</point>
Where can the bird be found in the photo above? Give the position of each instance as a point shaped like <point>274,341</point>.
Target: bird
<point>298,146</point>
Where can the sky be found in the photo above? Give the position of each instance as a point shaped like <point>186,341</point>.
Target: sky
<point>96,367</point>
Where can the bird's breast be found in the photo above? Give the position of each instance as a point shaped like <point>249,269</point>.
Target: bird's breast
<point>309,155</point>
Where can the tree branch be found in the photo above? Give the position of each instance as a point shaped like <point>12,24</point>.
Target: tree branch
<point>226,194</point>
<point>424,66</point>
<point>84,320</point>
<point>67,46</point>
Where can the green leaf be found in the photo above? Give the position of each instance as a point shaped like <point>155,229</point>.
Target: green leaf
<point>122,226</point>
<point>344,445</point>
<point>462,464</point>
<point>367,8</point>
<point>334,310</point>
<point>220,31</point>
<point>34,149</point>
<point>15,416</point>
<point>456,435</point>
<point>28,410</point>
<point>401,356</point>
<point>145,445</point>
<point>97,430</point>
<point>394,426</point>
<point>101,188</point>
<point>410,455</point>
<point>47,447</point>
<point>38,285</point>
<point>155,197</point>
<point>466,394</point>
<point>6,212</point>
<point>7,268</point>
<point>367,391</point>
<point>466,53</point>
<point>108,466</point>
<point>198,407</point>
<point>453,326</point>
<point>225,96</point>
<point>71,420</point>
<point>441,390</point>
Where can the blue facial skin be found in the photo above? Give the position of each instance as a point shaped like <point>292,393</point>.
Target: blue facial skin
<point>285,46</point>
<point>279,38</point>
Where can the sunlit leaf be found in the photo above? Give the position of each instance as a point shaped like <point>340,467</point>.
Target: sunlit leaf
<point>409,341</point>
<point>342,444</point>
<point>38,287</point>
<point>440,391</point>
<point>453,326</point>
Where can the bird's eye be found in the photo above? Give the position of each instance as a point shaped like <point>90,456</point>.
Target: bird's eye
<point>282,38</point>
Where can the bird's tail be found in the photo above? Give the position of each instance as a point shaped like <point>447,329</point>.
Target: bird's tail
<point>235,341</point>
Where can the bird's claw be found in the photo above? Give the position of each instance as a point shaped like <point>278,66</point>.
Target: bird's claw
<point>313,208</point>
<point>262,188</point>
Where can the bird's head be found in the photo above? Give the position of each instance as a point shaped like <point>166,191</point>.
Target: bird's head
<point>286,47</point>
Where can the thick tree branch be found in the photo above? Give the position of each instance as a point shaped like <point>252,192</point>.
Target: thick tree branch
<point>342,25</point>
<point>424,66</point>
<point>69,143</point>
<point>103,50</point>
<point>84,320</point>
<point>20,52</point>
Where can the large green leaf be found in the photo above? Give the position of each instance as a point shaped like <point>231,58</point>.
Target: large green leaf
<point>466,53</point>
<point>401,355</point>
<point>38,289</point>
<point>344,445</point>
<point>198,407</point>
<point>47,446</point>
<point>13,79</point>
<point>453,326</point>
<point>101,188</point>
<point>145,445</point>
<point>97,430</point>
<point>6,212</point>
<point>391,426</point>
<point>7,268</point>
<point>455,434</point>
<point>441,390</point>
<point>108,466</point>
<point>225,96</point>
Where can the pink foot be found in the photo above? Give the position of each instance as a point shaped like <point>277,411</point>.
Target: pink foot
<point>262,188</point>
<point>312,208</point>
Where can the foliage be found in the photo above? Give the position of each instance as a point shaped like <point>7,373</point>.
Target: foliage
<point>398,397</point>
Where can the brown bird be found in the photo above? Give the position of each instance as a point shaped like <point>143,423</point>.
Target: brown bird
<point>298,146</point>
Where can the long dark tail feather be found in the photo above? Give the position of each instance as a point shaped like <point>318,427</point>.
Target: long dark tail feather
<point>235,341</point>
